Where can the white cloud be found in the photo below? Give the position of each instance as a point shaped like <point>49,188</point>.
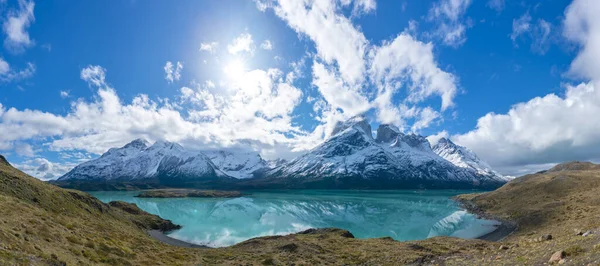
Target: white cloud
<point>541,37</point>
<point>434,139</point>
<point>582,26</point>
<point>360,6</point>
<point>64,94</point>
<point>24,149</point>
<point>255,110</point>
<point>15,27</point>
<point>520,26</point>
<point>448,14</point>
<point>173,71</point>
<point>266,45</point>
<point>338,94</point>
<point>7,74</point>
<point>538,32</point>
<point>345,59</point>
<point>43,168</point>
<point>242,43</point>
<point>337,41</point>
<point>426,116</point>
<point>210,47</point>
<point>549,129</point>
<point>497,5</point>
<point>4,67</point>
<point>544,131</point>
<point>94,75</point>
<point>406,61</point>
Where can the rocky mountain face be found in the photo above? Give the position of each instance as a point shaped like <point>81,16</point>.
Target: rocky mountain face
<point>352,158</point>
<point>161,163</point>
<point>238,164</point>
<point>464,158</point>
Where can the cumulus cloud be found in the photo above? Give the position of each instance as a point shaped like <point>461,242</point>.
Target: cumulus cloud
<point>210,47</point>
<point>551,129</point>
<point>582,26</point>
<point>249,111</point>
<point>44,169</point>
<point>344,71</point>
<point>320,21</point>
<point>64,94</point>
<point>173,71</point>
<point>15,27</point>
<point>242,43</point>
<point>451,26</point>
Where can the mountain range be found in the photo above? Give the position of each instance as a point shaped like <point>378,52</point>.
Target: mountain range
<point>350,158</point>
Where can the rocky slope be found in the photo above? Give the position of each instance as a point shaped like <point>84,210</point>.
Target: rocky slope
<point>352,158</point>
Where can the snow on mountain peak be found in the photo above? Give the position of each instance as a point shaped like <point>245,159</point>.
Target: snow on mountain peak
<point>464,158</point>
<point>358,122</point>
<point>139,144</point>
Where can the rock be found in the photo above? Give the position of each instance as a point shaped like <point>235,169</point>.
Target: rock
<point>578,232</point>
<point>562,261</point>
<point>544,238</point>
<point>503,247</point>
<point>557,256</point>
<point>587,233</point>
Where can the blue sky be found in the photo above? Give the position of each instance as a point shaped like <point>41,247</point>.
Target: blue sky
<point>504,78</point>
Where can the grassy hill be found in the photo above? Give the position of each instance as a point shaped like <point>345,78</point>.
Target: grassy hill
<point>42,224</point>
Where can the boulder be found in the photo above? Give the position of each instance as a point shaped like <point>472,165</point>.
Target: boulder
<point>557,256</point>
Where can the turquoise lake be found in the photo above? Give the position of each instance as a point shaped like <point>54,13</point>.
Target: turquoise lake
<point>400,214</point>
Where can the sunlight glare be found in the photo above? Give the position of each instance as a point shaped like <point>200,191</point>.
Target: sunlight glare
<point>235,69</point>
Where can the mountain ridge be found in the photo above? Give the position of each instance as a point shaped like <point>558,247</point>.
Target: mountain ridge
<point>350,158</point>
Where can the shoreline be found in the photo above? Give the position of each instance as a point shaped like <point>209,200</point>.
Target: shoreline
<point>162,237</point>
<point>505,229</point>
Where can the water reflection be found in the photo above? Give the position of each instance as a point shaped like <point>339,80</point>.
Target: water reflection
<point>403,215</point>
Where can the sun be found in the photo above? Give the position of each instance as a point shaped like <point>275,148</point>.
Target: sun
<point>235,69</point>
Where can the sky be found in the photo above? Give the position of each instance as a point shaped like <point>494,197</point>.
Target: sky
<point>514,81</point>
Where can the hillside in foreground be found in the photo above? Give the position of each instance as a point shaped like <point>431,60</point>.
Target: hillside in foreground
<point>41,224</point>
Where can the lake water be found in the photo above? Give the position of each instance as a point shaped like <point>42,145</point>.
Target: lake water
<point>400,214</point>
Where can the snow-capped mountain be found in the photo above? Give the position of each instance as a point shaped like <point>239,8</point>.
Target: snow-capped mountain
<point>465,158</point>
<point>165,161</point>
<point>351,157</point>
<point>238,164</point>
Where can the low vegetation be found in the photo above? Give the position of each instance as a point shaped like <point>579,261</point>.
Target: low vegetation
<point>41,224</point>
